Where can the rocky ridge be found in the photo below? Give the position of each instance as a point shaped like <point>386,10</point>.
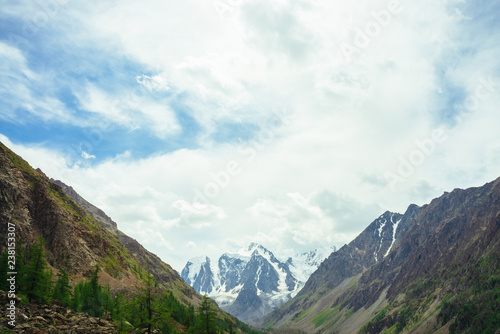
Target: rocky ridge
<point>162,272</point>
<point>443,267</point>
<point>253,281</point>
<point>74,239</point>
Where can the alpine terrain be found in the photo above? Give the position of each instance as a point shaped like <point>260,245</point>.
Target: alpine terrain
<point>252,282</point>
<point>433,269</point>
<point>55,235</point>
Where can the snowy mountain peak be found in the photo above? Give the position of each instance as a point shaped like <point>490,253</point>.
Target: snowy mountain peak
<point>385,228</point>
<point>251,249</point>
<point>199,273</point>
<point>252,282</point>
<point>303,265</point>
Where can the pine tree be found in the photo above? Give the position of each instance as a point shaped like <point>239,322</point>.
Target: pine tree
<point>62,289</point>
<point>35,280</point>
<point>94,281</point>
<point>206,319</point>
<point>90,297</point>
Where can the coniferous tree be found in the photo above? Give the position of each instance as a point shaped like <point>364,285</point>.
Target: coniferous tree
<point>35,280</point>
<point>189,318</point>
<point>94,281</point>
<point>119,312</point>
<point>62,289</point>
<point>206,318</point>
<point>90,297</point>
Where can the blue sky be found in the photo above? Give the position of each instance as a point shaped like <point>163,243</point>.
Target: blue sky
<point>200,128</point>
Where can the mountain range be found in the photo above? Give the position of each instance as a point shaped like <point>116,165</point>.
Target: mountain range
<point>433,269</point>
<point>77,236</point>
<point>253,281</point>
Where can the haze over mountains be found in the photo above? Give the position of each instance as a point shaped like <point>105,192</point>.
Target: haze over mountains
<point>253,281</point>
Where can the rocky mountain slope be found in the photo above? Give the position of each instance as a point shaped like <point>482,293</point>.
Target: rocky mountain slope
<point>440,272</point>
<point>74,240</point>
<point>252,282</point>
<point>162,272</point>
<point>76,237</point>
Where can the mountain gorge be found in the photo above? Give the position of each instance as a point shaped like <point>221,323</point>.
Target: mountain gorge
<point>253,281</point>
<point>433,269</point>
<point>80,240</point>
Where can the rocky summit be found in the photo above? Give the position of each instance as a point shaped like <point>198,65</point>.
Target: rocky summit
<point>253,281</point>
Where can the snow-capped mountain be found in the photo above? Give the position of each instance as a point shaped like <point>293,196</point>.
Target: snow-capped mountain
<point>252,282</point>
<point>303,265</point>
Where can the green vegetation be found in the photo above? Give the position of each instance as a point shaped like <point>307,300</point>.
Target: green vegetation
<point>473,307</point>
<point>147,310</point>
<point>206,321</point>
<point>33,278</point>
<point>320,318</point>
<point>476,309</point>
<point>62,289</point>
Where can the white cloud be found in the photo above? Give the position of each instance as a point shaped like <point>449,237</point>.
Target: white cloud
<point>87,156</point>
<point>196,215</point>
<point>318,177</point>
<point>111,108</point>
<point>132,108</point>
<point>18,94</point>
<point>153,83</point>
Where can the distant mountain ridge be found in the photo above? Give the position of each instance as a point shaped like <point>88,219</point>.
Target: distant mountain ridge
<point>253,281</point>
<point>434,269</point>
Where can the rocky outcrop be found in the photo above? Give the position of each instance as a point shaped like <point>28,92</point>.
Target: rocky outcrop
<point>44,319</point>
<point>97,213</point>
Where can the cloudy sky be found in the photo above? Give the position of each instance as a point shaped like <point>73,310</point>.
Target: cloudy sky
<point>201,126</point>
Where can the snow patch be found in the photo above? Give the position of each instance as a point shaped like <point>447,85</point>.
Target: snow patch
<point>394,229</point>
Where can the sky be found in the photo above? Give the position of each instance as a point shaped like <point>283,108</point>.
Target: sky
<point>202,126</point>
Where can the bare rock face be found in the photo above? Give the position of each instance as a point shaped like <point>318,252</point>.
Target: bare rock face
<point>97,213</point>
<point>77,235</point>
<point>162,272</point>
<point>38,208</point>
<point>366,250</point>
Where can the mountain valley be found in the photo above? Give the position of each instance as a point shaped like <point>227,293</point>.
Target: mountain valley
<point>433,269</point>
<point>80,242</point>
